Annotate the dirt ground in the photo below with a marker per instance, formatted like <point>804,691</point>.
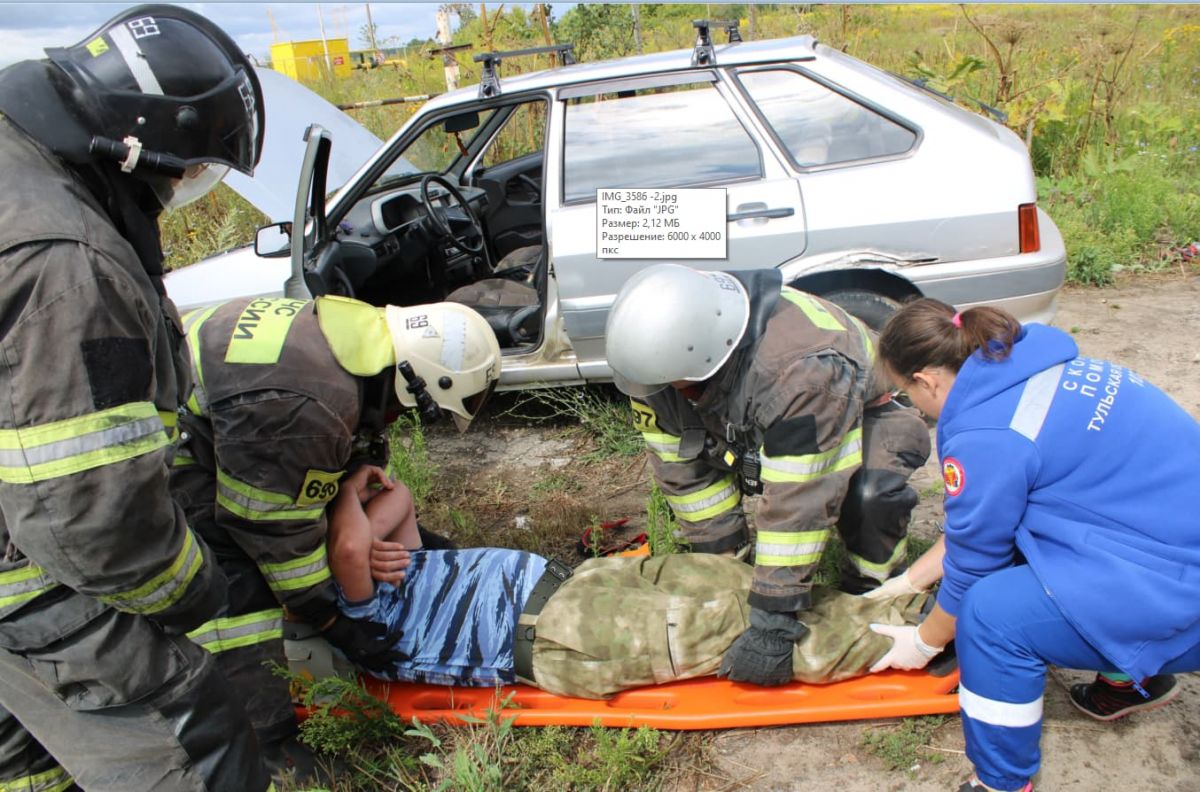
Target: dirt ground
<point>509,468</point>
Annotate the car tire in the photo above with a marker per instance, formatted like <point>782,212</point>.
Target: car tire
<point>873,308</point>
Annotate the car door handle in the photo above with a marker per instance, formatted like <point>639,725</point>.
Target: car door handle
<point>757,211</point>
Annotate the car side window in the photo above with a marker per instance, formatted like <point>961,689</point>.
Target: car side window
<point>669,136</point>
<point>524,132</point>
<point>819,126</point>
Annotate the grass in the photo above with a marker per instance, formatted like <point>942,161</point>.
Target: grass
<point>662,531</point>
<point>410,461</point>
<point>378,752</point>
<point>902,745</point>
<point>598,413</point>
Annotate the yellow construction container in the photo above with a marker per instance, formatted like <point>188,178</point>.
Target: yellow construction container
<point>307,61</point>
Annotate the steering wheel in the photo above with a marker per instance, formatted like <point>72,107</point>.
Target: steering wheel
<point>441,223</point>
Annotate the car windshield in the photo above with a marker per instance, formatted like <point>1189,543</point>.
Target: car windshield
<point>436,148</point>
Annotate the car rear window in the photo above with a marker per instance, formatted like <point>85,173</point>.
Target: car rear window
<point>669,136</point>
<point>819,126</point>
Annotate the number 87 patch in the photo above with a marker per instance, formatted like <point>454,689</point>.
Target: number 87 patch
<point>318,487</point>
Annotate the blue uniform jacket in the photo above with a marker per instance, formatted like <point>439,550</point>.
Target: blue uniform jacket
<point>1093,474</point>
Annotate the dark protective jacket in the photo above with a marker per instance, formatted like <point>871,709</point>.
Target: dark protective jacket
<point>783,416</point>
<point>275,419</point>
<point>92,371</point>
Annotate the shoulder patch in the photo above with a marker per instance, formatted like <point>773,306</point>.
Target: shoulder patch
<point>318,487</point>
<point>796,436</point>
<point>953,475</point>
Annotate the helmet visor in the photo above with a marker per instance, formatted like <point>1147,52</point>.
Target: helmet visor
<point>197,181</point>
<point>472,405</point>
<point>634,389</point>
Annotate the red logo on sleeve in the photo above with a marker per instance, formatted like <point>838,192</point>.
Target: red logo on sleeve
<point>953,476</point>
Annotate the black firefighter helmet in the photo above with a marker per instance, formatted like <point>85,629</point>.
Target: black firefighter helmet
<point>158,89</point>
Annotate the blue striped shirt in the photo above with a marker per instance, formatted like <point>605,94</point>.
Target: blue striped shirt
<point>458,610</point>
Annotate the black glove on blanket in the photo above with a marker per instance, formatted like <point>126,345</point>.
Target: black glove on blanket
<point>762,654</point>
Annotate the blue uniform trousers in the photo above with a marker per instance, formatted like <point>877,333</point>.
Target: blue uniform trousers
<point>1009,629</point>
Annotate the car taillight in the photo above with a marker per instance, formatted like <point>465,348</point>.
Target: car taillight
<point>1027,228</point>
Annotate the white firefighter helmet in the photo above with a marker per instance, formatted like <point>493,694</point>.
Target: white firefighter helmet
<point>672,323</point>
<point>453,349</point>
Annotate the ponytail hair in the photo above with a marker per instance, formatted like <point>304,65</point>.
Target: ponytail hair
<point>929,333</point>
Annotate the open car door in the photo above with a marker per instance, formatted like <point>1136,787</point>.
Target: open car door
<point>312,255</point>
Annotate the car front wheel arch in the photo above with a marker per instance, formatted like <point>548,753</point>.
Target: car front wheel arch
<point>871,295</point>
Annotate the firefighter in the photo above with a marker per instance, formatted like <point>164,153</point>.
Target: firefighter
<point>101,576</point>
<point>742,386</point>
<point>289,396</point>
<point>1070,537</point>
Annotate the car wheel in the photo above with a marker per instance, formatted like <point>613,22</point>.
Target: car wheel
<point>873,308</point>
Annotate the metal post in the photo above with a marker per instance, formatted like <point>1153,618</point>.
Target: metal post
<point>371,31</point>
<point>637,29</point>
<point>324,43</point>
<point>443,38</point>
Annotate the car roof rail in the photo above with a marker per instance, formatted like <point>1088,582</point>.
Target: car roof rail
<point>703,54</point>
<point>489,83</point>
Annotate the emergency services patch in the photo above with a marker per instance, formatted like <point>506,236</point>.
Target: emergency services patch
<point>953,476</point>
<point>318,487</point>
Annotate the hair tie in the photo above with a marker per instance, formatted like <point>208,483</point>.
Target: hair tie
<point>956,320</point>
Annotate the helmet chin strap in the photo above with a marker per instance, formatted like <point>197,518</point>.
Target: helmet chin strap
<point>426,406</point>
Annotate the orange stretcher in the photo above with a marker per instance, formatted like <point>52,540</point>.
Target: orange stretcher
<point>707,703</point>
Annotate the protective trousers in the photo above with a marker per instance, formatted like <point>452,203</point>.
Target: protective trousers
<point>246,638</point>
<point>123,706</point>
<point>873,522</point>
<point>1009,629</point>
<point>618,623</point>
<point>25,764</point>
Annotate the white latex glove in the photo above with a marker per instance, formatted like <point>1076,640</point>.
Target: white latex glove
<point>898,586</point>
<point>908,651</point>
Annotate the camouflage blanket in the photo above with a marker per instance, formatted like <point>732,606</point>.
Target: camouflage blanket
<point>629,622</point>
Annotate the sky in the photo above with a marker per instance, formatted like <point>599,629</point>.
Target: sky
<point>27,28</point>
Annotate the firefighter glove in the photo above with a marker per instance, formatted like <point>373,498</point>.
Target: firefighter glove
<point>908,651</point>
<point>369,645</point>
<point>762,654</point>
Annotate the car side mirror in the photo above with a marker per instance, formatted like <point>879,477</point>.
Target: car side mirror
<point>274,241</point>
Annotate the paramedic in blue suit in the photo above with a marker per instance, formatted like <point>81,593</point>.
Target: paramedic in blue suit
<point>1071,530</point>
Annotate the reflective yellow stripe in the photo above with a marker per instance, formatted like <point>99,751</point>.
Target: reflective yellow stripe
<point>706,503</point>
<point>260,330</point>
<point>790,548</point>
<point>21,585</point>
<point>868,344</point>
<point>221,635</point>
<point>260,505</point>
<point>170,420</point>
<point>164,589</point>
<point>664,446</point>
<point>48,451</point>
<point>880,572</point>
<point>817,313</point>
<point>192,322</point>
<point>298,573</point>
<point>806,467</point>
<point>56,780</point>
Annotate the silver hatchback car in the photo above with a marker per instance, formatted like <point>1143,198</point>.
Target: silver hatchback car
<point>855,183</point>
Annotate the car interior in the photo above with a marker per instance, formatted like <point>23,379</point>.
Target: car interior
<point>457,216</point>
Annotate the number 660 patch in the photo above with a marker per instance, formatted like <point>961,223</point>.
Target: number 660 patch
<point>318,487</point>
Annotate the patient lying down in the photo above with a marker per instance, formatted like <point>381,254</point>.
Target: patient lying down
<point>616,623</point>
